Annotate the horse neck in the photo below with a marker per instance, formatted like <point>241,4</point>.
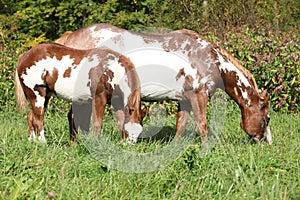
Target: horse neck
<point>238,82</point>
<point>243,96</point>
<point>239,87</point>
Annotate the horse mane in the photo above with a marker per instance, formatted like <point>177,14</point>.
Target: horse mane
<point>234,61</point>
<point>238,65</point>
<point>63,38</point>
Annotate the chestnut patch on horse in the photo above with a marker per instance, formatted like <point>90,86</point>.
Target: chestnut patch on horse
<point>67,73</point>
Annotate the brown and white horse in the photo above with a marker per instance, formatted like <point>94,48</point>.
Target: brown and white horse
<point>200,67</point>
<point>82,76</point>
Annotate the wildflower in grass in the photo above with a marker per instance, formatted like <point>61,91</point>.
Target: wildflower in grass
<point>51,194</point>
<point>1,149</point>
<point>280,102</point>
<point>276,88</point>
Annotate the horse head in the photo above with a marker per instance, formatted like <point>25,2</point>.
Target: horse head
<point>255,119</point>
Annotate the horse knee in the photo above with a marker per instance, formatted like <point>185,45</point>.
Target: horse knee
<point>202,128</point>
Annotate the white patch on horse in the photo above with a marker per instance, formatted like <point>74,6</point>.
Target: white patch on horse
<point>268,135</point>
<point>42,138</point>
<point>207,80</point>
<point>75,87</point>
<point>157,70</point>
<point>102,35</point>
<point>235,91</point>
<point>185,44</point>
<point>33,77</point>
<point>133,130</point>
<point>32,136</point>
<point>242,80</point>
<point>118,70</point>
<point>120,42</point>
<point>124,86</point>
<point>245,96</point>
<point>202,43</point>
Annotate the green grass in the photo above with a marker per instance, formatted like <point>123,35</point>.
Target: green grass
<point>234,169</point>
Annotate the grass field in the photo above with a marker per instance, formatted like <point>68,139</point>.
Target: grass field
<point>234,169</point>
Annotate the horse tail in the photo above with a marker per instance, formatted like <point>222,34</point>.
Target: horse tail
<point>22,102</point>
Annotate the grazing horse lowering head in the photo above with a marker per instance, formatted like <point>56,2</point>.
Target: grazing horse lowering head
<point>207,67</point>
<point>94,77</point>
<point>255,119</point>
<point>240,85</point>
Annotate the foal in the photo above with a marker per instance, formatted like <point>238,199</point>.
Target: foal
<point>82,76</point>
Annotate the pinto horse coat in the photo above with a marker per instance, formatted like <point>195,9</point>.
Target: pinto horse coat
<point>200,68</point>
<point>81,76</point>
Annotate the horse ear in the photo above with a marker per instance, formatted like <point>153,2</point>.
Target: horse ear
<point>263,94</point>
<point>264,102</point>
<point>267,99</point>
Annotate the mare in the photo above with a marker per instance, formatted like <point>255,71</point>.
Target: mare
<point>92,76</point>
<point>200,67</point>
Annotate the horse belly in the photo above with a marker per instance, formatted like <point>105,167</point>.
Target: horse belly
<point>73,89</point>
<point>76,86</point>
<point>158,72</point>
<point>159,82</point>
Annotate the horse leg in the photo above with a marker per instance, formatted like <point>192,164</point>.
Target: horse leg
<point>199,102</point>
<point>181,120</point>
<point>120,119</point>
<point>35,117</point>
<point>31,134</point>
<point>79,117</point>
<point>98,107</point>
<point>72,128</point>
<point>35,121</point>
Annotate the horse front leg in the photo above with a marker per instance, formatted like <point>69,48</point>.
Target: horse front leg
<point>31,133</point>
<point>98,107</point>
<point>199,100</point>
<point>120,116</point>
<point>72,128</point>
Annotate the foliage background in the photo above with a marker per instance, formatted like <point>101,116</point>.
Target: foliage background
<point>262,34</point>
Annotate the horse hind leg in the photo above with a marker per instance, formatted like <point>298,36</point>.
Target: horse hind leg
<point>72,128</point>
<point>35,121</point>
<point>35,117</point>
<point>31,132</point>
<point>181,120</point>
<point>120,116</point>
